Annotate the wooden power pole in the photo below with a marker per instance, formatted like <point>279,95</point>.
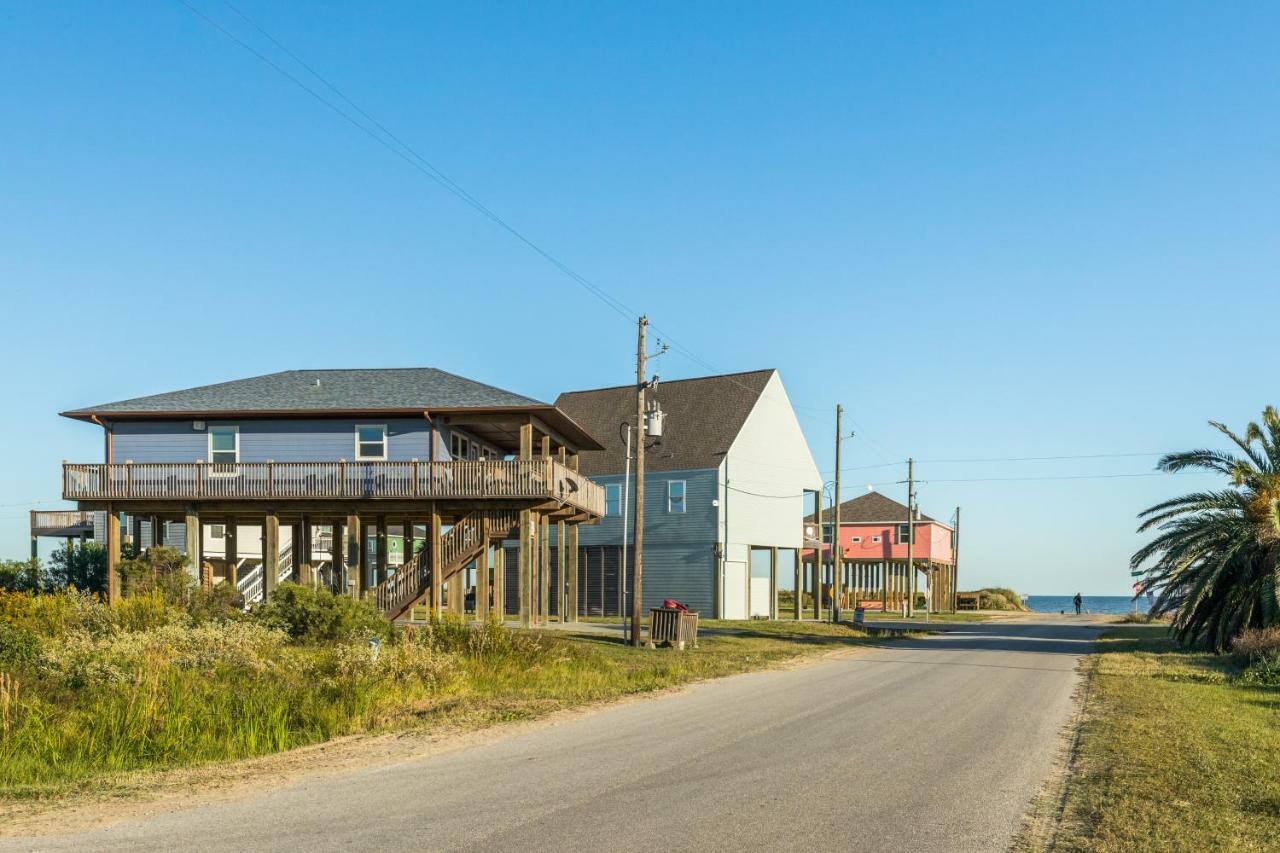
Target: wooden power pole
<point>911,537</point>
<point>637,563</point>
<point>836,550</point>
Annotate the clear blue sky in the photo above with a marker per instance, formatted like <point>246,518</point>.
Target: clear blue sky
<point>988,230</point>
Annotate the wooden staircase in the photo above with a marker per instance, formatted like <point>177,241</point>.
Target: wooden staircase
<point>398,594</point>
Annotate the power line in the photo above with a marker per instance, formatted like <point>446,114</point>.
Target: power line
<point>1057,477</point>
<point>413,158</point>
<point>1042,458</point>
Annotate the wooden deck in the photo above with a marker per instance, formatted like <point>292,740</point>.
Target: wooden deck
<point>61,522</point>
<point>532,479</point>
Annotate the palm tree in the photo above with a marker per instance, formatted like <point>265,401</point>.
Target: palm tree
<point>1215,565</point>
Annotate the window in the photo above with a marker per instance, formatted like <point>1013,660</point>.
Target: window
<point>371,442</point>
<point>875,539</point>
<point>612,499</point>
<point>903,533</point>
<point>826,532</point>
<point>857,539</point>
<point>217,531</point>
<point>675,496</point>
<point>224,445</point>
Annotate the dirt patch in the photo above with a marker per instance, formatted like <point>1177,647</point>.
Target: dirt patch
<point>1043,820</point>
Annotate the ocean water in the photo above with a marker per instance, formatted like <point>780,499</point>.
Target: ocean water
<point>1091,604</point>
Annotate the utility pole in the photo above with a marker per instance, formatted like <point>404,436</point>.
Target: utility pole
<point>955,562</point>
<point>638,559</point>
<point>911,537</point>
<point>837,552</point>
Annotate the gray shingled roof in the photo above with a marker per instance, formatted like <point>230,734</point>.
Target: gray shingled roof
<point>393,389</point>
<point>704,416</point>
<point>870,508</point>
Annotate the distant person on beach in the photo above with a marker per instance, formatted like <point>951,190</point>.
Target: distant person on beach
<point>1077,601</point>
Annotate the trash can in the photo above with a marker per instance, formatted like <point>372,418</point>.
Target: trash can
<point>673,627</point>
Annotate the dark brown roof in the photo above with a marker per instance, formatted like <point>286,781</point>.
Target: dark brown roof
<point>871,508</point>
<point>704,416</point>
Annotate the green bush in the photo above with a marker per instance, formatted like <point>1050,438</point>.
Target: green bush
<point>20,575</point>
<point>999,598</point>
<point>18,647</point>
<point>84,568</point>
<point>161,571</point>
<point>315,615</point>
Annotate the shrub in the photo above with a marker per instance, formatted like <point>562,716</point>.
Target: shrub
<point>159,570</point>
<point>1258,643</point>
<point>20,575</point>
<point>18,647</point>
<point>84,568</point>
<point>1135,617</point>
<point>145,611</point>
<point>314,614</point>
<point>221,603</point>
<point>56,613</point>
<point>999,598</point>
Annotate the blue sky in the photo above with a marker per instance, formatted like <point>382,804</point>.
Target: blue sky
<point>1000,230</point>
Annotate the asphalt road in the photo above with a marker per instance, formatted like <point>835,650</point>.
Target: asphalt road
<point>935,744</point>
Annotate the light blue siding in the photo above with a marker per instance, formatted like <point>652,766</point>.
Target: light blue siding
<point>298,440</point>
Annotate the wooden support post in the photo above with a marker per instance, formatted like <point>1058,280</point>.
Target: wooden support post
<point>366,558</point>
<point>338,556</point>
<point>113,556</point>
<point>799,585</point>
<point>437,583</point>
<point>230,551</point>
<point>525,550</point>
<point>562,562</point>
<point>499,581</point>
<point>302,553</point>
<point>135,524</point>
<point>482,577</point>
<point>270,554</point>
<point>816,583</point>
<point>544,566</point>
<point>356,549</point>
<point>195,539</point>
<point>524,569</point>
<point>571,567</point>
<point>408,539</point>
<point>381,557</point>
<point>884,585</point>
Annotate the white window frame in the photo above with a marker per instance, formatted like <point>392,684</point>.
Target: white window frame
<point>856,540</point>
<point>235,431</point>
<point>684,496</point>
<point>902,540</point>
<point>875,539</point>
<point>359,457</point>
<point>618,500</point>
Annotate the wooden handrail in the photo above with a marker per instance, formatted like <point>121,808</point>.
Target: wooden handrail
<point>463,479</point>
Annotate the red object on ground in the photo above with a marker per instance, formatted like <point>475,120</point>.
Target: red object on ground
<point>672,604</point>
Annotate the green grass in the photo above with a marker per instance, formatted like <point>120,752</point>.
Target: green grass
<point>1175,752</point>
<point>144,701</point>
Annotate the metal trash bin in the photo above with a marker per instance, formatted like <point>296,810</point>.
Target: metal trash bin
<point>674,627</point>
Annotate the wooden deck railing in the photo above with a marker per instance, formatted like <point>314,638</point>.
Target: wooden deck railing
<point>195,481</point>
<point>60,519</point>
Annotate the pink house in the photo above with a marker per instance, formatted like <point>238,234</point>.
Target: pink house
<point>873,553</point>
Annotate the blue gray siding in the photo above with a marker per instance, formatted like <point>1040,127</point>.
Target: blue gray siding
<point>298,440</point>
<point>679,548</point>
